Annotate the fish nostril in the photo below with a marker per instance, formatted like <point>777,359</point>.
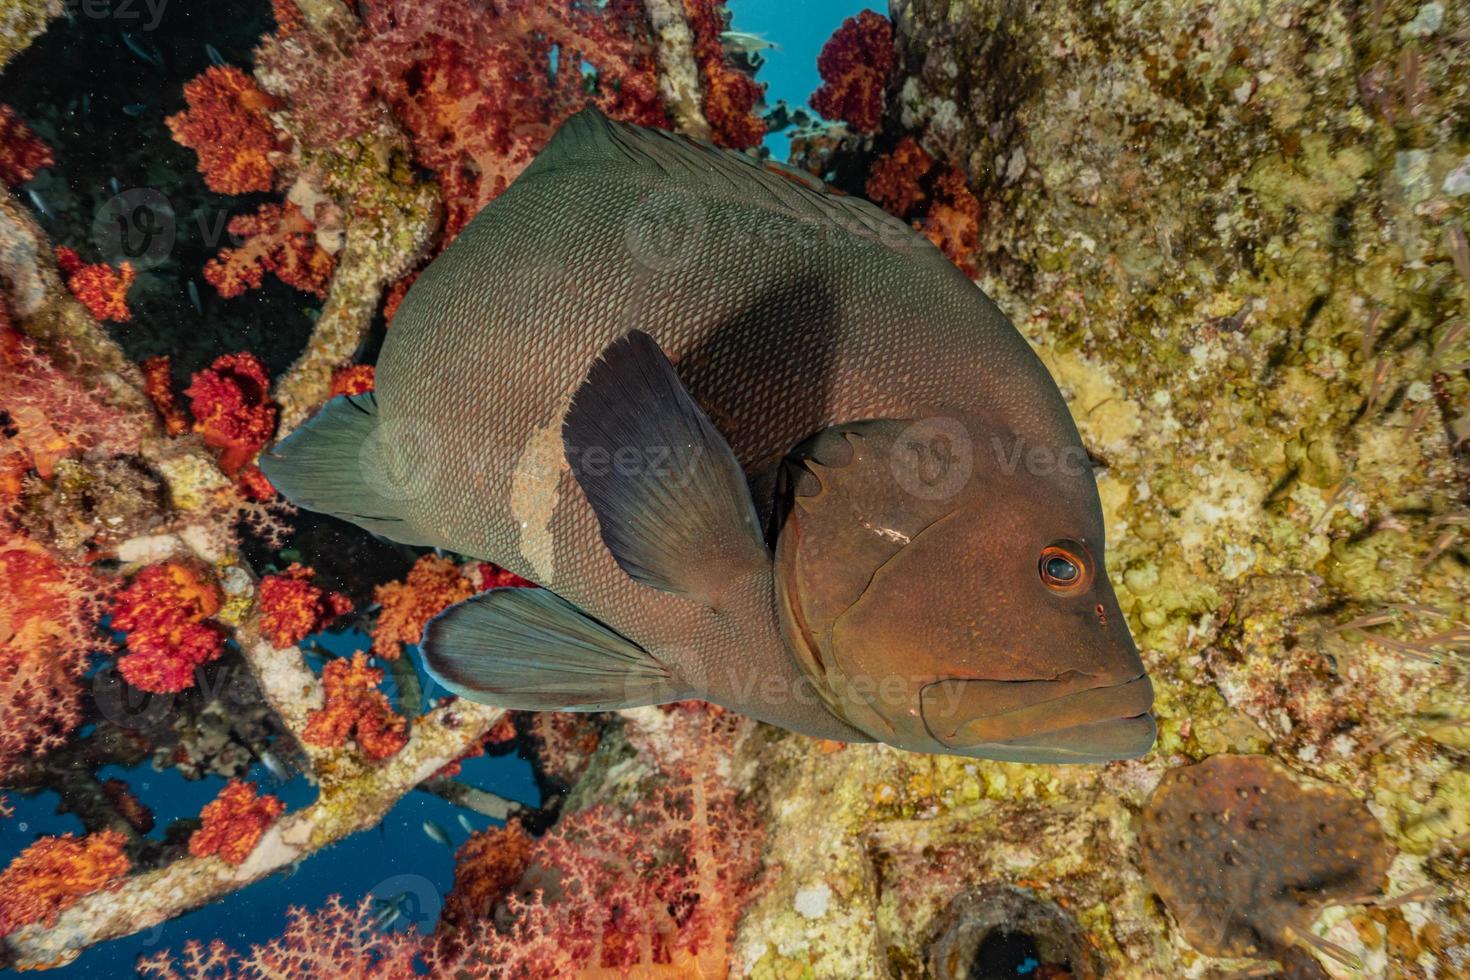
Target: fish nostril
<point>1102,614</point>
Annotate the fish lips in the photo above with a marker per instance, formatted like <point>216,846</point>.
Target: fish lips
<point>1038,723</point>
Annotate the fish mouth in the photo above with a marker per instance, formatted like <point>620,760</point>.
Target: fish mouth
<point>1037,722</point>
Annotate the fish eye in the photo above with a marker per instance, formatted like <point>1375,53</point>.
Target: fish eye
<point>1063,568</point>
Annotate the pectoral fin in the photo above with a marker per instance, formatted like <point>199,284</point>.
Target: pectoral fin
<point>670,497</point>
<point>532,650</point>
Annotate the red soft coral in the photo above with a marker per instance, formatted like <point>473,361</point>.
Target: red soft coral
<point>99,287</point>
<point>354,706</point>
<point>855,65</point>
<point>292,608</point>
<point>55,872</point>
<point>895,182</point>
<point>227,126</point>
<point>432,585</point>
<point>158,385</point>
<point>354,379</point>
<point>276,238</point>
<point>164,611</point>
<point>730,95</point>
<point>234,822</point>
<point>21,151</point>
<point>49,611</point>
<point>953,222</point>
<point>486,868</point>
<point>127,805</point>
<point>232,408</point>
<point>479,88</point>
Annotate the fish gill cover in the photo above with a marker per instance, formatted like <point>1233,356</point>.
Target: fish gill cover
<point>1233,232</point>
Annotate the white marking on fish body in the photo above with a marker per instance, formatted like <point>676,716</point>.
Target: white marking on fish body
<point>533,491</point>
<point>888,533</point>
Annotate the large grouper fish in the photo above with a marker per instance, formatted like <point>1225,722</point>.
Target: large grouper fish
<point>759,442</point>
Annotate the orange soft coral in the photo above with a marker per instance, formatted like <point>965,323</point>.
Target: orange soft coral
<point>102,289</point>
<point>433,585</point>
<point>855,65</point>
<point>953,222</point>
<point>21,152</point>
<point>159,387</point>
<point>226,125</point>
<point>49,611</point>
<point>232,408</point>
<point>234,822</point>
<point>164,610</point>
<point>292,608</point>
<point>354,706</point>
<point>277,238</point>
<point>486,868</point>
<point>55,872</point>
<point>355,379</point>
<point>730,95</point>
<point>895,183</point>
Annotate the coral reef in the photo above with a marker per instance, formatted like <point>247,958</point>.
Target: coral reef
<point>22,152</point>
<point>855,65</point>
<point>292,608</point>
<point>226,125</point>
<point>355,708</point>
<point>234,822</point>
<point>232,409</point>
<point>100,287</point>
<point>431,586</point>
<point>165,612</point>
<point>55,872</point>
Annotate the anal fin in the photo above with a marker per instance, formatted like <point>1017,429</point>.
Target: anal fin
<point>530,649</point>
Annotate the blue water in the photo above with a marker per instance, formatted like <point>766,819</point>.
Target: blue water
<point>397,856</point>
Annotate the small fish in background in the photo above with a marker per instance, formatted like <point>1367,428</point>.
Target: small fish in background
<point>135,109</point>
<point>763,446</point>
<point>464,822</point>
<point>194,298</point>
<point>275,766</point>
<point>390,910</point>
<point>748,43</point>
<point>438,834</point>
<point>215,58</point>
<point>143,49</point>
<point>38,202</point>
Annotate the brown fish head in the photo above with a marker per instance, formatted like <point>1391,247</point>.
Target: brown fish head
<point>943,583</point>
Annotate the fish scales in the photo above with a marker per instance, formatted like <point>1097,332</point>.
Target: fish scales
<point>785,310</point>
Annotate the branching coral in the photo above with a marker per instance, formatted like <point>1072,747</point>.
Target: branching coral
<point>100,287</point>
<point>164,611</point>
<point>855,65</point>
<point>232,408</point>
<point>55,872</point>
<point>48,615</point>
<point>276,238</point>
<point>22,152</point>
<point>355,708</point>
<point>292,608</point>
<point>234,822</point>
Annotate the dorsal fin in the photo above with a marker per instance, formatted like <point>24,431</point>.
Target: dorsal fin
<point>590,139</point>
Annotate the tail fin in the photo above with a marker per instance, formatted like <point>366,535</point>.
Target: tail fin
<point>342,462</point>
